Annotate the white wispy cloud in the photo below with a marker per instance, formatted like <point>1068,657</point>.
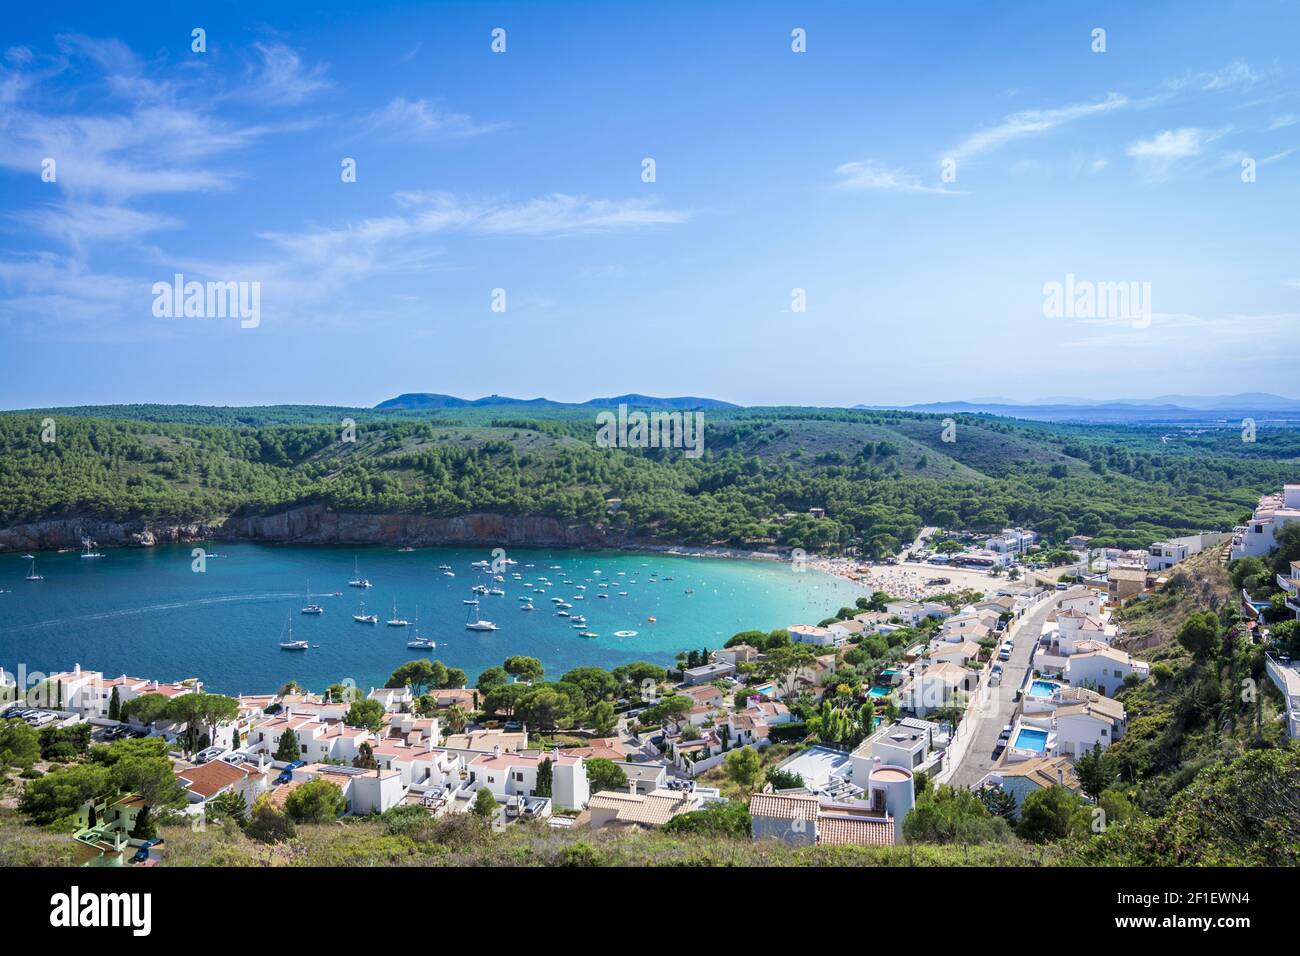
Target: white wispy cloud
<point>1034,122</point>
<point>280,78</point>
<point>78,224</point>
<point>1169,144</point>
<point>1157,155</point>
<point>1237,75</point>
<point>1282,122</point>
<point>433,214</point>
<point>423,119</point>
<point>870,175</point>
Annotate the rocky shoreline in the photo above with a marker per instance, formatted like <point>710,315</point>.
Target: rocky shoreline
<point>318,525</point>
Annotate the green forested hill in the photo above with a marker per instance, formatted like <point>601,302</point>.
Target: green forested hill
<point>880,475</point>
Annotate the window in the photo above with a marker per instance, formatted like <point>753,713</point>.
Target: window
<point>519,776</point>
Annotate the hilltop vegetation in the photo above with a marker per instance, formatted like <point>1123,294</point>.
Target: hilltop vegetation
<point>881,476</point>
<point>1208,700</point>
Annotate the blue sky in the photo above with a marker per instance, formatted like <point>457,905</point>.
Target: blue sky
<point>522,171</point>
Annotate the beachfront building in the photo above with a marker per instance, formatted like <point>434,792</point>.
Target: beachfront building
<point>1011,541</point>
<point>1272,514</point>
<point>913,613</point>
<point>816,636</point>
<point>706,673</point>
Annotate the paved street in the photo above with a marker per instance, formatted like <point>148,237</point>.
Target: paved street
<point>978,759</point>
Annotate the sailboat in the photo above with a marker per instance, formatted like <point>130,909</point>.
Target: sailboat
<point>357,580</point>
<point>31,572</point>
<point>475,623</point>
<point>86,551</point>
<point>310,608</point>
<point>361,617</point>
<point>417,642</point>
<point>291,644</point>
<point>396,621</point>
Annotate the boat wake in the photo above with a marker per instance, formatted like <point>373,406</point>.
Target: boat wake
<point>153,609</point>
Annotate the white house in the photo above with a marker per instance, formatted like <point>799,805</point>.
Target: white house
<point>1271,514</point>
<point>1084,719</point>
<point>937,686</point>
<point>507,775</point>
<point>209,780</point>
<point>817,636</point>
<point>1102,668</point>
<point>954,653</point>
<point>1163,555</point>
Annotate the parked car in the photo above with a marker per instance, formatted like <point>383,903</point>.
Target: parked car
<point>997,751</point>
<point>212,753</point>
<point>1062,586</point>
<point>286,775</point>
<point>1004,655</point>
<point>142,854</point>
<point>1005,732</point>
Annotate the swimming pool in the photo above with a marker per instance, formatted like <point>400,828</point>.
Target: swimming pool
<point>1028,739</point>
<point>1043,688</point>
<point>879,692</point>
<point>765,690</point>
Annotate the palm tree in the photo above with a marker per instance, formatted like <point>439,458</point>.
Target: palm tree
<point>456,718</point>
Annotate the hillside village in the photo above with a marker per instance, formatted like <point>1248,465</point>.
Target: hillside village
<point>827,733</point>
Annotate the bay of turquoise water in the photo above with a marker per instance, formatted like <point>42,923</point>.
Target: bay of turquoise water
<point>145,613</point>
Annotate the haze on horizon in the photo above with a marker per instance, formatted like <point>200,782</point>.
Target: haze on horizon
<point>522,171</point>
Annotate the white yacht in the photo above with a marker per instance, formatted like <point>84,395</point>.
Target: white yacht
<point>499,592</point>
<point>357,580</point>
<point>417,642</point>
<point>86,552</point>
<point>396,621</point>
<point>291,644</point>
<point>476,623</point>
<point>309,607</point>
<point>31,572</point>
<point>361,617</point>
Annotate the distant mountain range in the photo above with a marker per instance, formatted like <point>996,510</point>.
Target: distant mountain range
<point>1172,409</point>
<point>415,400</point>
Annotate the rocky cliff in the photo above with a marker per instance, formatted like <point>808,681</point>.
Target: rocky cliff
<point>316,524</point>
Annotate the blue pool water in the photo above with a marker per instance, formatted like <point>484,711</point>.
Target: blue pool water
<point>146,613</point>
<point>879,692</point>
<point>1043,688</point>
<point>1035,740</point>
